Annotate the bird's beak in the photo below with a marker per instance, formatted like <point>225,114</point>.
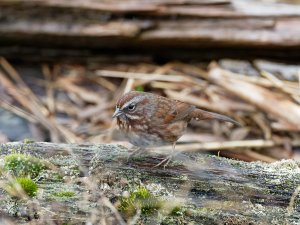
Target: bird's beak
<point>117,113</point>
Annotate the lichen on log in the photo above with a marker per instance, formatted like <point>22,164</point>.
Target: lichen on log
<point>87,182</point>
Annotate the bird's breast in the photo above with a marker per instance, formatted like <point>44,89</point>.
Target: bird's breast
<point>152,134</point>
<point>140,134</point>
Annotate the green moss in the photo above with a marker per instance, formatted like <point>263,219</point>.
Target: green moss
<point>140,199</point>
<point>21,165</point>
<point>64,194</point>
<point>177,211</point>
<point>142,193</point>
<point>29,187</point>
<point>139,88</point>
<point>28,141</point>
<point>57,178</point>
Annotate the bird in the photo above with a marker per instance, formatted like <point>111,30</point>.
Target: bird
<point>149,120</point>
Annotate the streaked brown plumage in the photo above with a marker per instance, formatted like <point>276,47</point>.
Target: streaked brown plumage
<point>152,120</point>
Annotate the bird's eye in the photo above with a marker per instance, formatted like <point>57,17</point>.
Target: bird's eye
<point>131,107</point>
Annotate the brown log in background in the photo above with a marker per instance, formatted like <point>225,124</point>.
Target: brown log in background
<point>204,29</point>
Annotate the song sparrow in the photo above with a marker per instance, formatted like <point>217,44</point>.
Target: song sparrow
<point>152,120</point>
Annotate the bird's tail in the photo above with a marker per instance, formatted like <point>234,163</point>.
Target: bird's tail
<point>199,114</point>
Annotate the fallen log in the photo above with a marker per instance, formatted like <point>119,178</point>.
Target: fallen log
<point>204,189</point>
<point>215,27</point>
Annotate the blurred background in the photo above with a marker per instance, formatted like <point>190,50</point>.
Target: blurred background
<point>64,64</point>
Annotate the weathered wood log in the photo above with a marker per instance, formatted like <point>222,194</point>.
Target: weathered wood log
<point>204,189</point>
<point>217,26</point>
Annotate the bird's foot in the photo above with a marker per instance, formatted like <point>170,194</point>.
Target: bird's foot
<point>164,162</point>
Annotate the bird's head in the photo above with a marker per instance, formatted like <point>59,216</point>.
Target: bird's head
<point>132,106</point>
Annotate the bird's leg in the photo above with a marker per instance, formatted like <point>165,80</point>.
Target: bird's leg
<point>167,160</point>
<point>172,154</point>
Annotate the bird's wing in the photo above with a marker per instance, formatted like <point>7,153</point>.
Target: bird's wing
<point>179,111</point>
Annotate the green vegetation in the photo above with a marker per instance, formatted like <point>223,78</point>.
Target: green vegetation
<point>139,88</point>
<point>64,194</point>
<point>21,165</point>
<point>177,211</point>
<point>29,187</point>
<point>28,141</point>
<point>140,199</point>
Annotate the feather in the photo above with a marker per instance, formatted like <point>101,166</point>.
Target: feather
<point>199,114</point>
